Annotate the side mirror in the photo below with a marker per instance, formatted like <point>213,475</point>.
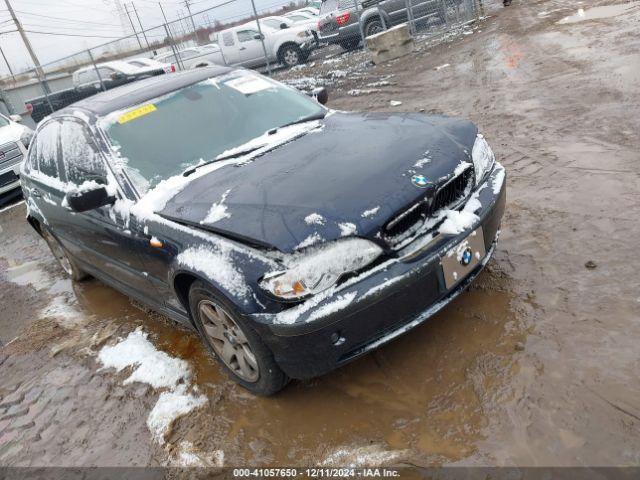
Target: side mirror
<point>321,95</point>
<point>257,36</point>
<point>117,76</point>
<point>90,198</point>
<point>15,118</point>
<point>283,26</point>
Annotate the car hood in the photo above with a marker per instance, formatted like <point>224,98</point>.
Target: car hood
<point>12,132</point>
<point>350,176</point>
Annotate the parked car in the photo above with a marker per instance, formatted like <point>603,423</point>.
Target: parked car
<point>292,238</point>
<point>14,140</point>
<point>150,63</point>
<point>341,21</point>
<point>243,45</point>
<point>302,18</point>
<point>88,81</point>
<point>311,10</point>
<point>194,57</point>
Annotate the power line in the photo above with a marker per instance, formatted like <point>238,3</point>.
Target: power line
<point>65,19</point>
<point>72,34</point>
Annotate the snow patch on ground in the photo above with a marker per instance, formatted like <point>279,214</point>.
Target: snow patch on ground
<point>187,455</point>
<point>160,371</point>
<point>218,210</point>
<point>356,92</point>
<point>215,262</point>
<point>150,365</point>
<point>368,456</point>
<point>170,406</point>
<point>314,219</point>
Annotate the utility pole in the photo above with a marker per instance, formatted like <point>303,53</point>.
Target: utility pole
<point>34,58</point>
<point>170,37</point>
<point>264,49</point>
<point>188,5</point>
<point>135,10</point>
<point>126,9</point>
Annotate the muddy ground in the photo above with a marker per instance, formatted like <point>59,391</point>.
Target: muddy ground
<point>537,364</point>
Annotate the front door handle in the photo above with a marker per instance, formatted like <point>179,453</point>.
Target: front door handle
<point>243,48</point>
<point>36,193</point>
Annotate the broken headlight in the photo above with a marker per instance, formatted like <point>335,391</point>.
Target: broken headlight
<point>483,157</point>
<point>314,271</point>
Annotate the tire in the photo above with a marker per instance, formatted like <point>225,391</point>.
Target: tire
<point>290,55</point>
<point>67,264</point>
<point>349,45</point>
<point>237,347</point>
<point>373,26</point>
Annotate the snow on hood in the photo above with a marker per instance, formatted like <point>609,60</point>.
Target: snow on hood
<point>352,175</point>
<point>11,133</point>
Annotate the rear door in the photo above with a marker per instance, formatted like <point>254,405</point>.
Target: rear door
<point>45,188</point>
<point>104,238</point>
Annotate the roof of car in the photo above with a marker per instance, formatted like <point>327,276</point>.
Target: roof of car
<point>138,92</point>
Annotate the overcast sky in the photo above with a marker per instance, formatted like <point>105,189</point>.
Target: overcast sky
<point>96,22</point>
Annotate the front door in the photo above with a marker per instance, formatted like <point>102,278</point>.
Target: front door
<point>105,238</point>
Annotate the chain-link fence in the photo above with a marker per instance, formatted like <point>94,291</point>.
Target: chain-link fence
<point>282,35</point>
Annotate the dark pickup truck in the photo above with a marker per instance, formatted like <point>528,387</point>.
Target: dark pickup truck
<point>343,22</point>
<point>87,82</point>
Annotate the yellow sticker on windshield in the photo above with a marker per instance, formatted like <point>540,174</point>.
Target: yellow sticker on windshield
<point>137,113</point>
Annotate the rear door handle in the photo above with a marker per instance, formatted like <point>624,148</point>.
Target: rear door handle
<point>36,193</point>
<point>243,48</point>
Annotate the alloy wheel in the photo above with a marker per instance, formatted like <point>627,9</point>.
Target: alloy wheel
<point>291,57</point>
<point>228,341</point>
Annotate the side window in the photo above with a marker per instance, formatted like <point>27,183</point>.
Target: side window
<point>227,39</point>
<point>87,76</point>
<point>47,149</point>
<point>31,162</point>
<point>246,35</point>
<point>81,159</point>
<point>106,73</point>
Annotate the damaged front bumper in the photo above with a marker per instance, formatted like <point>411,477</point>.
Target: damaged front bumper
<point>395,297</point>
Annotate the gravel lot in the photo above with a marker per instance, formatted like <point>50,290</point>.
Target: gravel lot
<point>537,364</point>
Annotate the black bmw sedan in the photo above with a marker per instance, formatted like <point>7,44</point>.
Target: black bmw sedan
<point>293,238</point>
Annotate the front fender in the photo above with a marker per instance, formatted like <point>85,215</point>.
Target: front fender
<point>374,12</point>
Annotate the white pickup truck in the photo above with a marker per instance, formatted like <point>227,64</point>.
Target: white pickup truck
<point>286,43</point>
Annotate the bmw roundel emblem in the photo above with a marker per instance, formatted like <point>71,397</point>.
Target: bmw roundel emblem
<point>419,181</point>
<point>467,255</point>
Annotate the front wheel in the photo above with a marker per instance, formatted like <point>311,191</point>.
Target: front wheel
<point>66,262</point>
<point>237,347</point>
<point>290,55</point>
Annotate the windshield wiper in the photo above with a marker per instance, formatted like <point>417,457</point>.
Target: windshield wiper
<point>308,118</point>
<point>237,154</point>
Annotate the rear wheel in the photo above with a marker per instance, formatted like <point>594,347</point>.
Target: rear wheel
<point>68,265</point>
<point>373,27</point>
<point>290,55</point>
<point>237,347</point>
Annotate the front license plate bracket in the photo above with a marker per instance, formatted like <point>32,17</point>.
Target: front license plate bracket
<point>461,259</point>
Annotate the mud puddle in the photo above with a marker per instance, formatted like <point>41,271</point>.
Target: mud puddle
<point>602,12</point>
